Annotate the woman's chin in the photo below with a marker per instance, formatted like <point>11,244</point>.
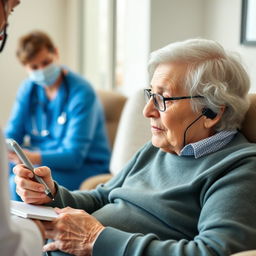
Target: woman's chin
<point>164,145</point>
<point>158,142</point>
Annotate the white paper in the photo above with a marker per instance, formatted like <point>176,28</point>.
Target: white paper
<point>33,211</point>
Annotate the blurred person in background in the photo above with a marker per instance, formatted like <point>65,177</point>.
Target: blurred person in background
<point>57,117</point>
<point>18,236</point>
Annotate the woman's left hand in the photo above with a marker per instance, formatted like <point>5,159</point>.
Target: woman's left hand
<point>74,232</point>
<point>33,156</point>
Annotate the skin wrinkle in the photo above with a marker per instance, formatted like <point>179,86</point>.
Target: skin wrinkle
<point>171,84</point>
<point>69,233</point>
<point>168,127</point>
<point>169,139</point>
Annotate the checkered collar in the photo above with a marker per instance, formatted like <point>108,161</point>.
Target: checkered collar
<point>208,145</point>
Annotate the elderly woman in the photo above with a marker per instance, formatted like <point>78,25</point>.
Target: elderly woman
<point>191,190</point>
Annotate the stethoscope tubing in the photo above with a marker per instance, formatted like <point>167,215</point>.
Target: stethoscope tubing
<point>61,120</point>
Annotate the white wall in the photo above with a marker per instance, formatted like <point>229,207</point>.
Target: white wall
<point>174,20</point>
<point>222,21</point>
<point>151,24</point>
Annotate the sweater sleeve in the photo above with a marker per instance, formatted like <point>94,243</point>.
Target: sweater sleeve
<point>226,224</point>
<point>91,201</point>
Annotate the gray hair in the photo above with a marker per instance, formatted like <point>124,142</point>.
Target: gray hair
<point>213,73</point>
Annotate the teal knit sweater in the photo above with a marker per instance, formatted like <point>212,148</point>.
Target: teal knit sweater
<point>163,204</point>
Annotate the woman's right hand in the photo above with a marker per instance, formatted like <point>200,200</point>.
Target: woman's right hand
<point>30,190</point>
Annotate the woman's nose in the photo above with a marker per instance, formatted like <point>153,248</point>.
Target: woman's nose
<point>150,110</point>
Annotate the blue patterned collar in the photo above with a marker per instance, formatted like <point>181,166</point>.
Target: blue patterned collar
<point>208,145</point>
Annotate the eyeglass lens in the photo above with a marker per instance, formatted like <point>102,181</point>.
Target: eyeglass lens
<point>157,99</point>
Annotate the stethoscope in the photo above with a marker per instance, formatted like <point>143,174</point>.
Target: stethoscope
<point>61,120</point>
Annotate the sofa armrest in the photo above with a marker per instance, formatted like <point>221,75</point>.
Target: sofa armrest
<point>94,181</point>
<point>245,253</point>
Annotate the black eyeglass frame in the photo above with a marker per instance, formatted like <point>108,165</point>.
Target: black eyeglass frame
<point>148,95</point>
<point>3,42</point>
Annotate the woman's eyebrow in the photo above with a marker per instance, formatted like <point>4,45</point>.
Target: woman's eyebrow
<point>160,88</point>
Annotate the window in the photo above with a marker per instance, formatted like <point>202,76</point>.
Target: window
<point>116,43</point>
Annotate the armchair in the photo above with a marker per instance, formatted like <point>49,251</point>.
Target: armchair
<point>113,104</point>
<point>245,253</point>
<point>249,123</point>
<point>249,130</point>
<point>132,133</point>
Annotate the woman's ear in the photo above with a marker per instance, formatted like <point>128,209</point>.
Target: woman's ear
<point>211,122</point>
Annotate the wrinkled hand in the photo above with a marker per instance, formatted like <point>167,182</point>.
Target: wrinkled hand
<point>29,190</point>
<point>74,232</point>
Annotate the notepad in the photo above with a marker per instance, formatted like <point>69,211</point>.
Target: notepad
<point>33,211</point>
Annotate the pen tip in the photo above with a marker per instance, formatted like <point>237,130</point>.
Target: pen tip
<point>51,196</point>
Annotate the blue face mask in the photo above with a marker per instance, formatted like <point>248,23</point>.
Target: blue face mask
<point>46,76</point>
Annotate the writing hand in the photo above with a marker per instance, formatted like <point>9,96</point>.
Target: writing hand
<point>29,190</point>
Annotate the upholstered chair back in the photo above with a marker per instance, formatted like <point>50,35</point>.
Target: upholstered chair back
<point>133,132</point>
<point>249,124</point>
<point>113,103</point>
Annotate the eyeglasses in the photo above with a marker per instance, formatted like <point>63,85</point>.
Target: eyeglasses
<point>159,100</point>
<point>3,41</point>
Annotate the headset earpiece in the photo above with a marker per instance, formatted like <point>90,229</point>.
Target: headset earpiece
<point>208,113</point>
<point>205,112</point>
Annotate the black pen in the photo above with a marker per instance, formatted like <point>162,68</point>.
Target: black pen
<point>18,150</point>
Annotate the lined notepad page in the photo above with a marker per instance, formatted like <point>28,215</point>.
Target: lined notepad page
<point>33,211</point>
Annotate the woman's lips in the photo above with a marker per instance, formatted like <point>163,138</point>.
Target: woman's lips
<point>156,128</point>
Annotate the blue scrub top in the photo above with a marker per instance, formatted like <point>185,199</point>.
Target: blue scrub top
<point>75,150</point>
